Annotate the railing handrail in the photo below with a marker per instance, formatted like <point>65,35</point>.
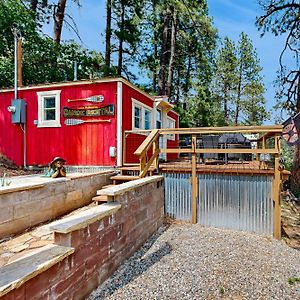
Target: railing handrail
<point>147,142</point>
<point>225,129</point>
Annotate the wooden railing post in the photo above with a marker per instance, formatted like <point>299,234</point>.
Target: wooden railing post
<point>143,161</point>
<point>194,180</point>
<point>276,185</point>
<point>154,150</point>
<point>124,148</point>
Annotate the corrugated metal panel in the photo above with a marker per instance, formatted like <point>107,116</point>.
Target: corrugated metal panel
<point>178,191</point>
<point>236,202</point>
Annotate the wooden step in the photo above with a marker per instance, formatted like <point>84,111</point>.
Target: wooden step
<point>101,199</point>
<point>123,178</point>
<point>107,186</point>
<point>135,168</point>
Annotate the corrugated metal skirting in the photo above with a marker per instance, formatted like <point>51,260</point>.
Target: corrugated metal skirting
<point>224,201</point>
<point>236,202</point>
<point>178,196</point>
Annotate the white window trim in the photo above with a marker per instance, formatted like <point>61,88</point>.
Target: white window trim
<point>171,136</point>
<point>49,123</point>
<point>143,107</point>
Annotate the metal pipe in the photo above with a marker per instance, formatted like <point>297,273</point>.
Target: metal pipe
<point>24,146</point>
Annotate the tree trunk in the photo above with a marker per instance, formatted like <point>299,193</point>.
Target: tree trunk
<point>155,53</point>
<point>155,49</point>
<point>163,58</point>
<point>107,38</point>
<point>120,59</point>
<point>226,100</point>
<point>295,177</point>
<point>238,101</point>
<point>187,78</point>
<point>59,15</point>
<point>172,54</point>
<point>33,5</point>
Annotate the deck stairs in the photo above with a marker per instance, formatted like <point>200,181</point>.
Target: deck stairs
<point>127,173</point>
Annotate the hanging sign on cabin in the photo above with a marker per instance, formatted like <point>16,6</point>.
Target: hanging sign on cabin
<point>291,127</point>
<point>108,110</point>
<point>96,99</point>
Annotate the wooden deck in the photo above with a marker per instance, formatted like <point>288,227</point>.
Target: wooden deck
<point>243,167</point>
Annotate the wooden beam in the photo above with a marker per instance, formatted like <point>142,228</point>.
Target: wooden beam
<point>156,148</point>
<point>143,161</point>
<point>124,149</point>
<point>276,198</point>
<point>229,151</point>
<point>194,181</point>
<point>149,163</point>
<point>228,129</point>
<point>20,80</point>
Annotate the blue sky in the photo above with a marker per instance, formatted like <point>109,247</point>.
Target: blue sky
<point>231,17</point>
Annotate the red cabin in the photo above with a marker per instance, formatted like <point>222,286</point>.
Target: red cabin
<point>81,121</point>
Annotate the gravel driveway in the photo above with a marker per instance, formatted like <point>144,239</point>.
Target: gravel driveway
<point>192,262</point>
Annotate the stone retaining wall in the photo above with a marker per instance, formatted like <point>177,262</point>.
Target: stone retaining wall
<point>36,200</point>
<point>100,246</point>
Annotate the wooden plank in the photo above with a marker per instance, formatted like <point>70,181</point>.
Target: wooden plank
<point>124,177</point>
<point>149,163</point>
<point>194,181</point>
<point>276,198</point>
<point>143,162</point>
<point>229,151</point>
<point>156,148</point>
<point>20,79</point>
<point>124,149</point>
<point>227,129</point>
<point>147,142</point>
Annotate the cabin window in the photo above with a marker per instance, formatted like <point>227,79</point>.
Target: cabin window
<point>147,119</point>
<point>158,119</point>
<point>142,115</point>
<point>49,109</point>
<point>137,117</point>
<point>171,124</point>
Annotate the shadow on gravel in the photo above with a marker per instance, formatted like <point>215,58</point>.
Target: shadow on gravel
<point>136,265</point>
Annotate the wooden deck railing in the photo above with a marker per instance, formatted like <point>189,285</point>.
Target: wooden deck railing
<point>142,151</point>
<point>265,133</point>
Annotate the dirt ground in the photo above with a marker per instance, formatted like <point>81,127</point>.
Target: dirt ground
<point>290,223</point>
<point>10,169</point>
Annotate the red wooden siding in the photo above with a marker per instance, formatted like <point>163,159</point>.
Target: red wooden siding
<point>11,142</point>
<point>86,144</point>
<point>128,94</point>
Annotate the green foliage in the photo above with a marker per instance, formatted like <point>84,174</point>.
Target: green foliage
<point>293,280</point>
<point>194,46</point>
<point>281,17</point>
<point>43,59</point>
<point>287,155</point>
<point>199,109</point>
<point>237,84</point>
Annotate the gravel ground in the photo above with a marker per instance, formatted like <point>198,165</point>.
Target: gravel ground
<point>192,262</point>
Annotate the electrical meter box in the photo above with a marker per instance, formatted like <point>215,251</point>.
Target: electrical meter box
<point>18,115</point>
